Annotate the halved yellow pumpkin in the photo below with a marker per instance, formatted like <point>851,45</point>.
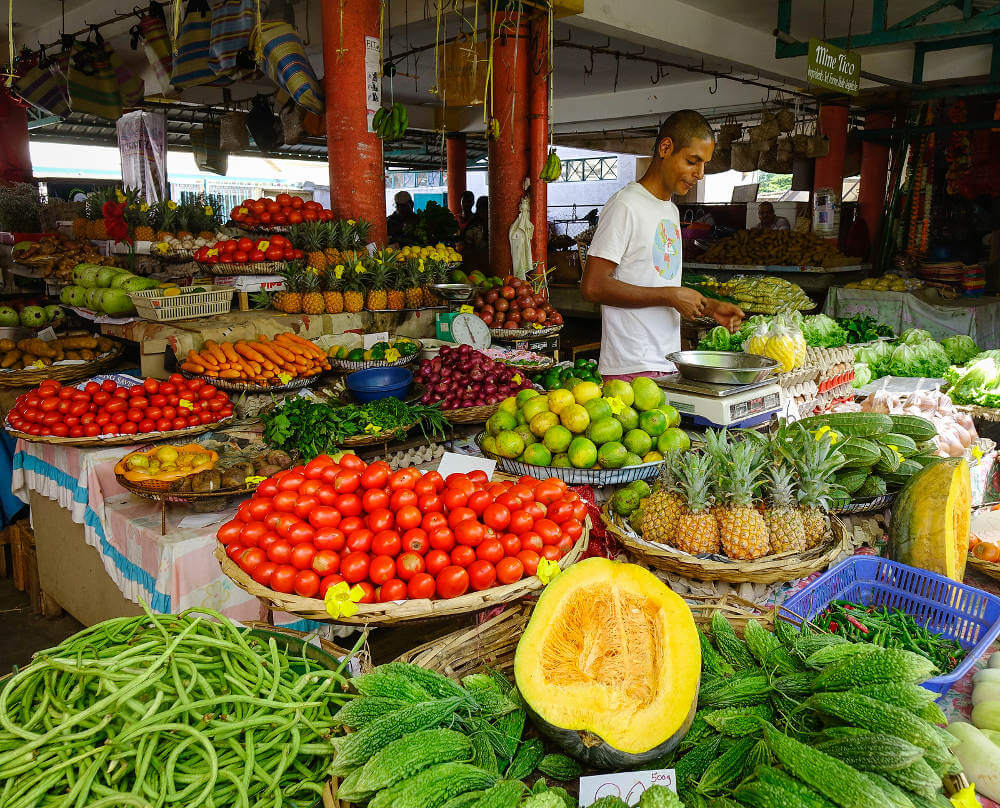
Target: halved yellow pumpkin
<point>609,664</point>
<point>930,520</point>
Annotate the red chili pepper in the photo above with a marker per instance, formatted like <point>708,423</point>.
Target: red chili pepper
<point>858,624</point>
<point>834,626</point>
<point>848,607</point>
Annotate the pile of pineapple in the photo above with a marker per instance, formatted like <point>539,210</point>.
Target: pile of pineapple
<point>359,281</point>
<point>744,496</point>
<point>164,221</point>
<point>329,243</point>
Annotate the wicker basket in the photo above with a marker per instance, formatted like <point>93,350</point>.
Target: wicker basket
<point>151,304</point>
<point>471,415</point>
<point>120,440</point>
<point>735,609</point>
<point>387,614</point>
<point>153,489</point>
<point>524,333</point>
<point>166,491</point>
<point>987,568</point>
<point>347,366</point>
<point>62,373</point>
<point>768,570</point>
<point>867,505</point>
<point>385,436</point>
<point>256,268</point>
<point>236,386</point>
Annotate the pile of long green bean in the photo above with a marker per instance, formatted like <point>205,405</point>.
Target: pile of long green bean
<point>184,710</point>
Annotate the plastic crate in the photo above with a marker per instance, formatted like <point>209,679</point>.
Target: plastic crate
<point>957,611</point>
<point>151,304</point>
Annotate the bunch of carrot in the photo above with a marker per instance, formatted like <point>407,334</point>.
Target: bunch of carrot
<point>260,361</point>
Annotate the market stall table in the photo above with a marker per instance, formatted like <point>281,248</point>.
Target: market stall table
<point>979,317</point>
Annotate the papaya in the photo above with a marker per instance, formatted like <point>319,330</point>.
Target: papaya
<point>929,527</point>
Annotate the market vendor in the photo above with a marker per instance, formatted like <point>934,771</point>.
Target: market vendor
<point>768,220</point>
<point>402,219</point>
<point>633,267</point>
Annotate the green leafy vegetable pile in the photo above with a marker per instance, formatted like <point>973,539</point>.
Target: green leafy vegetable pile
<point>312,428</point>
<point>864,328</point>
<point>821,331</point>
<point>916,355</point>
<point>960,348</point>
<point>976,383</point>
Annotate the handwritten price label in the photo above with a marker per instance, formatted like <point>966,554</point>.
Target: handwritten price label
<point>184,404</point>
<point>284,378</point>
<point>254,480</point>
<point>466,309</point>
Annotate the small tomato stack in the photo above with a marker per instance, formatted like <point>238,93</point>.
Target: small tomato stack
<point>398,535</point>
<point>248,251</point>
<point>283,210</point>
<point>106,408</point>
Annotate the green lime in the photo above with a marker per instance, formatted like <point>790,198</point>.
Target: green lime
<point>624,501</point>
<point>509,444</point>
<point>641,487</point>
<point>628,418</point>
<point>542,422</point>
<point>575,418</point>
<point>604,430</point>
<point>500,421</point>
<point>526,434</point>
<point>632,459</point>
<point>620,389</point>
<point>598,409</point>
<point>557,439</point>
<point>673,438</point>
<point>582,453</point>
<point>612,455</point>
<point>524,395</point>
<point>561,461</point>
<point>653,421</point>
<point>638,441</point>
<point>489,444</point>
<point>534,406</point>
<point>537,455</point>
<point>648,395</point>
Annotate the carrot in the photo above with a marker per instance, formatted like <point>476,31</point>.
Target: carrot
<point>276,360</point>
<point>293,348</point>
<point>229,374</point>
<point>283,352</point>
<point>227,349</point>
<point>310,346</point>
<point>249,351</point>
<point>203,358</point>
<point>214,349</point>
<point>191,367</point>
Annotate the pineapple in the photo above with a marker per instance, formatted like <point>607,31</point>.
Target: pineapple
<point>333,298</point>
<point>717,446</point>
<point>413,278</point>
<point>290,301</point>
<point>396,296</point>
<point>697,531</point>
<point>816,463</point>
<point>80,227</point>
<point>312,298</point>
<point>98,230</point>
<point>311,237</point>
<point>377,297</point>
<point>742,528</point>
<point>664,505</point>
<point>144,233</point>
<point>784,521</point>
<point>353,286</point>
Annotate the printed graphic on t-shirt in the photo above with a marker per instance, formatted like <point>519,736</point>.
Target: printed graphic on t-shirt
<point>666,249</point>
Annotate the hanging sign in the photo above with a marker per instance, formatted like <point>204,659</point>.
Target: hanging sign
<point>833,68</point>
<point>373,77</point>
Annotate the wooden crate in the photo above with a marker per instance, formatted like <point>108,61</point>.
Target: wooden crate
<point>24,568</point>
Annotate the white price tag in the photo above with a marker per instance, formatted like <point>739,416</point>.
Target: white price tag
<point>372,248</point>
<point>627,785</point>
<point>370,339</point>
<point>452,463</point>
<point>47,334</point>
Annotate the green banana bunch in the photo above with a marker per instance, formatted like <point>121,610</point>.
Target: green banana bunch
<point>392,123</point>
<point>552,170</point>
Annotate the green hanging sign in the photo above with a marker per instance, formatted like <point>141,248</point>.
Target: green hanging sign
<point>833,68</point>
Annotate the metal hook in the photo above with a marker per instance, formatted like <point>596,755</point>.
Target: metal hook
<point>588,72</point>
<point>660,73</point>
<point>715,89</point>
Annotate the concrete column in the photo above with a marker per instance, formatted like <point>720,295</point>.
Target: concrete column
<point>15,159</point>
<point>874,173</point>
<point>830,169</point>
<point>357,174</point>
<point>509,153</point>
<point>455,155</point>
<point>539,137</point>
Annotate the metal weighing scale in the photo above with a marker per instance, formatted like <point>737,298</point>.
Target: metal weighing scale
<point>722,405</point>
<point>458,326</point>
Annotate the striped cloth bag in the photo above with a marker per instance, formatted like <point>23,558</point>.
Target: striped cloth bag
<point>93,87</point>
<point>192,66</point>
<point>131,88</point>
<point>232,25</point>
<point>152,29</point>
<point>44,87</point>
<point>286,64</point>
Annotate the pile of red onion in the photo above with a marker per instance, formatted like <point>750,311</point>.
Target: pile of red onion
<point>514,306</point>
<point>462,377</point>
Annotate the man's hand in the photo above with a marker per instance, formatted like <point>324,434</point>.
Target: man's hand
<point>688,302</point>
<point>727,314</point>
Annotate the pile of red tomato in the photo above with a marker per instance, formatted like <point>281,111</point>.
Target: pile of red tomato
<point>284,209</point>
<point>398,535</point>
<point>248,251</point>
<point>106,409</point>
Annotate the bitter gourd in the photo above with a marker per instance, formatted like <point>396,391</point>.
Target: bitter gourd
<point>732,648</point>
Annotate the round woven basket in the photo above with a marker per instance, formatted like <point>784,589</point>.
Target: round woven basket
<point>236,386</point>
<point>989,414</point>
<point>471,415</point>
<point>256,268</point>
<point>348,366</point>
<point>387,614</point>
<point>62,373</point>
<point>151,488</point>
<point>867,505</point>
<point>524,333</point>
<point>735,609</point>
<point>179,497</point>
<point>768,570</point>
<point>987,568</point>
<point>121,440</point>
<point>385,436</point>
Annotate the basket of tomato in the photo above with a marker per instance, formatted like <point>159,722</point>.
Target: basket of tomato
<point>408,545</point>
<point>112,410</point>
<point>248,256</point>
<point>284,210</point>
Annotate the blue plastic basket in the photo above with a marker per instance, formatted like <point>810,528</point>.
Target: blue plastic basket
<point>957,611</point>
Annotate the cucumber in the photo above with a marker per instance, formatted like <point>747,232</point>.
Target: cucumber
<point>852,424</point>
<point>851,479</point>
<point>889,460</point>
<point>860,453</point>
<point>874,486</point>
<point>913,425</point>
<point>904,444</point>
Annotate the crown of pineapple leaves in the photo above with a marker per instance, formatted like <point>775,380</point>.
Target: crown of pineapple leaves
<point>695,470</point>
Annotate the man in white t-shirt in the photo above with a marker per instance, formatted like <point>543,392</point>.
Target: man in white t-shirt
<point>634,263</point>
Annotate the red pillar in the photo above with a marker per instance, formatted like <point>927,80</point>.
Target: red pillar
<point>357,175</point>
<point>539,134</point>
<point>874,173</point>
<point>455,154</point>
<point>15,159</point>
<point>830,169</point>
<point>508,154</point>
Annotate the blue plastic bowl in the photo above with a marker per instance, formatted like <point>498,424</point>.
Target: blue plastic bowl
<point>374,384</point>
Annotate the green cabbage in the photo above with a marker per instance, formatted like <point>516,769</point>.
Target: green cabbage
<point>993,354</point>
<point>862,374</point>
<point>932,358</point>
<point>823,332</point>
<point>904,361</point>
<point>914,336</point>
<point>960,348</point>
<point>718,339</point>
<point>979,383</point>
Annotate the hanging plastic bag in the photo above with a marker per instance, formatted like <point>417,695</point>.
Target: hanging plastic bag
<point>152,30</point>
<point>192,65</point>
<point>233,132</point>
<point>232,27</point>
<point>93,88</point>
<point>264,126</point>
<point>285,62</point>
<point>44,87</point>
<point>292,118</point>
<point>208,153</point>
<point>520,240</point>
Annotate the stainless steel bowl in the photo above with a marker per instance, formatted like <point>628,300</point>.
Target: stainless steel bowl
<point>723,367</point>
<point>456,292</point>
